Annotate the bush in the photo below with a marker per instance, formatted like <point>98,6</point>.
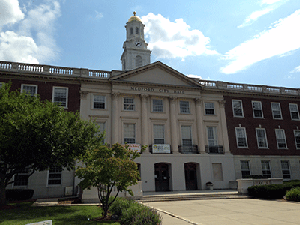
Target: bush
<point>293,194</point>
<point>19,194</point>
<point>131,212</point>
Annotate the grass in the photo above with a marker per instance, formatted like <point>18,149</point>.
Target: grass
<point>60,215</point>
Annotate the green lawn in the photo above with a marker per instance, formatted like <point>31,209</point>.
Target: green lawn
<point>25,213</point>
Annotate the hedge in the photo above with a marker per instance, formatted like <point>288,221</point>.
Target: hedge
<point>18,194</point>
<point>293,194</point>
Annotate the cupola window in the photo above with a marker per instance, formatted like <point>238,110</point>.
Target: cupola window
<point>131,30</point>
<point>137,30</point>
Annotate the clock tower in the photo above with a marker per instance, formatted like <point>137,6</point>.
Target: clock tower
<point>135,52</point>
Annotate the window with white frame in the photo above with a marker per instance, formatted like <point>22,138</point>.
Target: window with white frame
<point>159,133</point>
<point>294,111</point>
<point>29,89</point>
<point>209,108</point>
<point>237,108</point>
<point>281,139</point>
<point>285,167</point>
<point>241,137</point>
<point>261,138</point>
<point>245,168</point>
<point>212,136</point>
<point>257,109</point>
<point>129,104</point>
<point>157,105</point>
<point>276,111</point>
<point>102,128</point>
<point>184,107</point>
<point>54,177</point>
<point>186,136</point>
<point>297,138</point>
<point>99,102</point>
<point>21,178</point>
<point>60,96</point>
<point>129,133</point>
<point>266,170</point>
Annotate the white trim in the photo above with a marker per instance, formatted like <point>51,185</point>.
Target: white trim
<point>249,166</point>
<point>277,138</point>
<point>152,103</point>
<point>67,95</point>
<point>272,109</point>
<point>188,108</point>
<point>54,185</point>
<point>295,104</point>
<point>191,133</point>
<point>135,127</point>
<point>289,169</point>
<point>298,131</point>
<point>93,101</point>
<point>266,140</point>
<point>268,165</point>
<point>129,104</point>
<point>236,137</point>
<point>262,114</point>
<point>234,115</point>
<point>207,108</point>
<point>29,85</point>
<point>164,136</point>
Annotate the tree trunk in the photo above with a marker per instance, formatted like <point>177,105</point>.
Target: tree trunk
<point>2,191</point>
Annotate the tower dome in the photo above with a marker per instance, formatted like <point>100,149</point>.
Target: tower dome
<point>134,18</point>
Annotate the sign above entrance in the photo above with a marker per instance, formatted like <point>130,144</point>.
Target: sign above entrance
<point>165,149</point>
<point>161,90</point>
<point>134,147</point>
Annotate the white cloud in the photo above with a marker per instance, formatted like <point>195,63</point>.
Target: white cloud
<point>98,15</point>
<point>270,2</point>
<point>174,39</point>
<point>33,42</point>
<point>282,38</point>
<point>10,12</point>
<point>296,70</point>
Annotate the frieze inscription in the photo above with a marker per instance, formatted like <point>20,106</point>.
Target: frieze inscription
<point>156,90</point>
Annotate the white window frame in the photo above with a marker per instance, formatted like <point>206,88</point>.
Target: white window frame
<point>297,134</point>
<point>156,134</point>
<point>56,172</point>
<point>102,101</point>
<point>265,137</point>
<point>253,107</point>
<point>185,135</point>
<point>208,107</point>
<point>157,107</point>
<point>245,169</point>
<point>212,141</point>
<point>241,108</point>
<point>294,111</point>
<point>243,129</point>
<point>184,109</point>
<point>102,125</point>
<point>29,85</point>
<point>126,136</point>
<point>128,106</point>
<point>276,112</point>
<point>268,169</point>
<point>22,173</point>
<point>285,171</point>
<point>280,138</point>
<point>67,95</point>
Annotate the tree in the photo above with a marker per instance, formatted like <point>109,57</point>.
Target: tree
<point>106,168</point>
<point>37,134</point>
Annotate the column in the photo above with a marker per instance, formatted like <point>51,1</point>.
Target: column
<point>174,134</point>
<point>145,122</point>
<point>224,126</point>
<point>114,118</point>
<point>199,119</point>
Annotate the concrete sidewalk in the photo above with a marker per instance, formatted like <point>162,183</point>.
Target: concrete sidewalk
<point>228,211</point>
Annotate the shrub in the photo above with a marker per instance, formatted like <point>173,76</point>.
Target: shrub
<point>293,194</point>
<point>19,194</point>
<point>119,205</point>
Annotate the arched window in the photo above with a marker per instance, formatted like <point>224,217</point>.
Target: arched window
<point>138,61</point>
<point>137,30</point>
<point>131,30</point>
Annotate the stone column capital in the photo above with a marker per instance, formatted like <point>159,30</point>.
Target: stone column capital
<point>222,103</point>
<point>115,94</point>
<point>83,94</point>
<point>173,98</point>
<point>198,100</point>
<point>144,96</point>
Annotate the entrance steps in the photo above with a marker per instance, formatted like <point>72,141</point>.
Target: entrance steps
<point>189,195</point>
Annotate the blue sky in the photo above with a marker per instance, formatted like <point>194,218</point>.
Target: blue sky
<point>255,42</point>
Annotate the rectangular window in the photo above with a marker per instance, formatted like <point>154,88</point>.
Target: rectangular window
<point>21,178</point>
<point>129,104</point>
<point>158,105</point>
<point>29,89</point>
<point>281,140</point>
<point>184,107</point>
<point>294,111</point>
<point>60,96</point>
<point>241,137</point>
<point>266,171</point>
<point>261,138</point>
<point>129,133</point>
<point>237,108</point>
<point>285,169</point>
<point>186,136</point>
<point>297,138</point>
<point>245,168</point>
<point>54,175</point>
<point>209,108</point>
<point>257,109</point>
<point>276,111</point>
<point>99,102</point>
<point>159,133</point>
<point>212,136</point>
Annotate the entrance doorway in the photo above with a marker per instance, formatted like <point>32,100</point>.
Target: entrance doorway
<point>161,174</point>
<point>190,176</point>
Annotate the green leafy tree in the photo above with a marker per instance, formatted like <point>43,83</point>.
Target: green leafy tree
<point>37,134</point>
<point>106,168</point>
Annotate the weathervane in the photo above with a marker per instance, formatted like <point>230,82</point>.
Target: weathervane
<point>134,13</point>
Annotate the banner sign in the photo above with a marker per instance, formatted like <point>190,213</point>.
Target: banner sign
<point>134,147</point>
<point>161,149</point>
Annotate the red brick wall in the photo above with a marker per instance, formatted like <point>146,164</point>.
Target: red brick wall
<point>267,122</point>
